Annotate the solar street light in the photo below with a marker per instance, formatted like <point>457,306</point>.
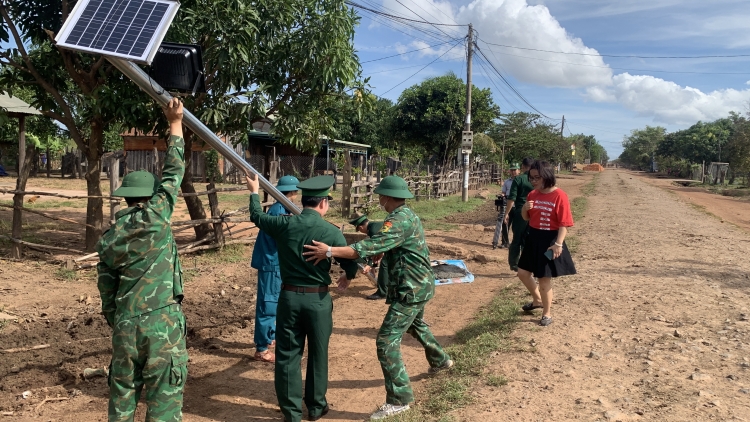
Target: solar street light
<point>179,67</point>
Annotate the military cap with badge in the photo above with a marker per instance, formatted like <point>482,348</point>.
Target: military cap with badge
<point>317,187</point>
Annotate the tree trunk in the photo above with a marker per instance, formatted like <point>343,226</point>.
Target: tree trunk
<point>94,212</point>
<point>49,162</point>
<point>34,162</point>
<point>193,203</point>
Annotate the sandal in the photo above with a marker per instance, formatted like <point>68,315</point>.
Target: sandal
<point>545,321</point>
<point>530,307</point>
<point>265,356</point>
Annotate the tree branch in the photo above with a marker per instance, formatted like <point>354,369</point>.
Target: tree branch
<point>31,69</point>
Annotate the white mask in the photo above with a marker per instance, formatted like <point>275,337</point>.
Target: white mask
<point>382,207</point>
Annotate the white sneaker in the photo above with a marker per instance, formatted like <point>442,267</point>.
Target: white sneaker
<point>387,410</point>
<point>447,365</point>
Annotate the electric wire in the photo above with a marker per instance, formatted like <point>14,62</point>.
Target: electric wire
<point>388,23</point>
<point>619,68</point>
<point>435,26</point>
<point>428,64</point>
<point>490,77</point>
<point>620,55</point>
<point>407,52</point>
<point>359,6</point>
<point>518,94</point>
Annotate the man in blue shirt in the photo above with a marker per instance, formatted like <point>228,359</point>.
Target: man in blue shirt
<point>266,261</point>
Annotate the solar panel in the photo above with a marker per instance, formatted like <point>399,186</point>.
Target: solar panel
<point>129,29</point>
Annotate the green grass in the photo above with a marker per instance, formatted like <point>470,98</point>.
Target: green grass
<point>229,201</point>
<point>230,254</point>
<point>51,204</point>
<point>66,275</point>
<point>488,332</point>
<point>578,207</point>
<point>496,380</point>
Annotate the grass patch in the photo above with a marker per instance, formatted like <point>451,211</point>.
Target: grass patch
<point>496,380</point>
<point>578,207</point>
<point>65,274</point>
<point>488,332</point>
<point>230,201</point>
<point>230,254</point>
<point>48,204</point>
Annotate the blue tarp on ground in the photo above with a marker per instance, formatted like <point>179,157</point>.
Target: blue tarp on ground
<point>468,278</point>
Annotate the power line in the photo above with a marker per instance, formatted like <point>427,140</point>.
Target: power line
<point>618,68</point>
<point>435,26</point>
<point>618,55</point>
<point>428,64</point>
<point>488,75</point>
<point>385,17</point>
<point>359,6</point>
<point>511,86</point>
<point>407,52</point>
<point>394,69</point>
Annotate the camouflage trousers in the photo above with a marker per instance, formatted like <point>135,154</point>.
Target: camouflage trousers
<point>148,351</point>
<point>404,318</point>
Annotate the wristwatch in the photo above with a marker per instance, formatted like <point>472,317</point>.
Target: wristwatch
<point>329,254</point>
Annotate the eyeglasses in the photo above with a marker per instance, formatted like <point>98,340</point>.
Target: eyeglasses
<point>535,177</point>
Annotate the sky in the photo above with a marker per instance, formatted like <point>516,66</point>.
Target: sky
<point>597,93</point>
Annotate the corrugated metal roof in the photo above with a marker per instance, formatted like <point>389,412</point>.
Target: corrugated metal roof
<point>16,105</point>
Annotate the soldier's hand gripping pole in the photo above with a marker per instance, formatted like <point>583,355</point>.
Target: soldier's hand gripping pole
<point>161,96</point>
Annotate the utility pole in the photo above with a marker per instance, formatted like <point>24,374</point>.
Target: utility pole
<point>466,137</point>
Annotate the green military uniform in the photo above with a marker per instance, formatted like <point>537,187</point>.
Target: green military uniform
<point>305,307</point>
<point>140,282</point>
<point>411,286</point>
<point>519,189</point>
<point>373,227</point>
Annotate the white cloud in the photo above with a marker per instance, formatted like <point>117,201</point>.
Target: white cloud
<point>668,102</point>
<point>515,23</point>
<point>518,23</point>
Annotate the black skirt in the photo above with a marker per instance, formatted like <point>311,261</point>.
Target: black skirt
<point>533,260</point>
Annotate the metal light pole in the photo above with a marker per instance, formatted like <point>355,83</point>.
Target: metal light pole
<point>161,96</point>
<point>467,124</point>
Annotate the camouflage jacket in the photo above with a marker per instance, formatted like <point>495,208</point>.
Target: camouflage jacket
<point>139,270</point>
<point>407,257</point>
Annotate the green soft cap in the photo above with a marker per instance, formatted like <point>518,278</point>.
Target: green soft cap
<point>395,187</point>
<point>138,184</point>
<point>317,186</point>
<point>287,184</point>
<point>358,219</point>
<point>515,166</point>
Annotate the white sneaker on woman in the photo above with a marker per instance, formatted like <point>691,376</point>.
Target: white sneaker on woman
<point>388,410</point>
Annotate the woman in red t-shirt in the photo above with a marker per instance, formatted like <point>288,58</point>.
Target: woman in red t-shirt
<point>545,254</point>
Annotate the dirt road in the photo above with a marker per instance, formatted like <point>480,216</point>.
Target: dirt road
<point>654,326</point>
<point>650,329</point>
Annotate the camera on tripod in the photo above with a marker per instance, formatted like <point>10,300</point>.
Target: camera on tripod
<point>499,202</point>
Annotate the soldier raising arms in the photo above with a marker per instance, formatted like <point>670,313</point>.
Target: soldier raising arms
<point>411,286</point>
<point>140,282</point>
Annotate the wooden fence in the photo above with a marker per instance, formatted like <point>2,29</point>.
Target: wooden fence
<point>358,186</point>
<point>225,224</point>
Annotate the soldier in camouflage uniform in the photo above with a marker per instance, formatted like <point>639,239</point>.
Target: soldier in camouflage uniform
<point>411,286</point>
<point>140,282</point>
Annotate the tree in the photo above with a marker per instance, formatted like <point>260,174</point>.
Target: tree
<point>370,126</point>
<point>529,135</point>
<point>82,92</point>
<point>287,61</point>
<point>640,146</point>
<point>431,114</point>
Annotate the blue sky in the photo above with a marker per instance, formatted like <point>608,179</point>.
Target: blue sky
<point>600,95</point>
